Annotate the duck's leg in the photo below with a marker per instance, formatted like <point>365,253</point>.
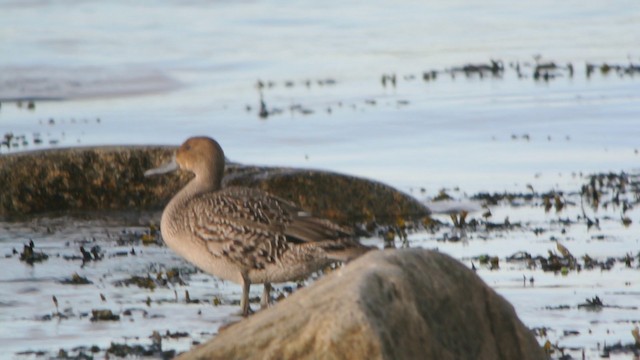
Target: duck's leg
<point>266,296</point>
<point>244,302</point>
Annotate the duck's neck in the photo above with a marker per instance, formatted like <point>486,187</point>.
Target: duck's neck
<point>198,185</point>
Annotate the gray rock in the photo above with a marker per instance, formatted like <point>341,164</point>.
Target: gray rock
<point>391,304</point>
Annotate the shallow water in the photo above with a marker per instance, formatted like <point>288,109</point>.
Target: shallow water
<point>545,300</point>
<point>195,65</point>
<point>158,72</point>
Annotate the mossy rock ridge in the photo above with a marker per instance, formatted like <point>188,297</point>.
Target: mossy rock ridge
<point>112,178</point>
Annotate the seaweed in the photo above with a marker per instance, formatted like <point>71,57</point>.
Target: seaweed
<point>30,256</point>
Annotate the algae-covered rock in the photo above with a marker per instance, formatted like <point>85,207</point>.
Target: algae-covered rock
<point>112,178</point>
<point>342,198</point>
<point>102,178</point>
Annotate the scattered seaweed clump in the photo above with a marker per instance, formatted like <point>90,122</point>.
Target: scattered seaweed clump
<point>505,225</point>
<point>492,262</point>
<point>30,256</point>
<point>77,353</point>
<point>175,335</point>
<point>590,263</point>
<point>37,353</point>
<point>495,68</point>
<point>65,314</point>
<point>161,279</point>
<point>611,190</point>
<point>519,256</point>
<point>550,200</point>
<point>442,196</point>
<point>103,315</point>
<point>139,281</point>
<point>594,303</point>
<point>509,198</point>
<point>551,349</point>
<point>460,222</point>
<point>563,263</point>
<point>152,236</point>
<point>94,254</point>
<point>171,276</point>
<point>538,70</point>
<point>618,348</point>
<point>606,69</point>
<point>554,200</point>
<point>154,350</point>
<point>81,355</point>
<point>76,279</point>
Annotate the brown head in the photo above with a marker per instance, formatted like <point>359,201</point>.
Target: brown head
<point>200,155</point>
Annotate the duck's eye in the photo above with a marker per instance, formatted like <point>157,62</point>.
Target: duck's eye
<point>187,147</point>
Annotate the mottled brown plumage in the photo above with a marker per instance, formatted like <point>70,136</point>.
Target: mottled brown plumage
<point>245,235</point>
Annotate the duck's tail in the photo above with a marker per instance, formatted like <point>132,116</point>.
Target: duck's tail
<point>346,250</point>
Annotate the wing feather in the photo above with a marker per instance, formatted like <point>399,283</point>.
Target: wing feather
<point>254,228</point>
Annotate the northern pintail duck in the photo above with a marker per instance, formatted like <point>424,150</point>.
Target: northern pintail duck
<point>241,234</point>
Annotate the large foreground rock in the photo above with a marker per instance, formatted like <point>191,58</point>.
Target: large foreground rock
<point>391,304</point>
<point>111,178</point>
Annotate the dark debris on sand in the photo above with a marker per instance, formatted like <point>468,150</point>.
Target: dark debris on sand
<point>30,256</point>
<point>154,350</point>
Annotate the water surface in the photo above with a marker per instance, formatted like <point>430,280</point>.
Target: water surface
<point>157,72</point>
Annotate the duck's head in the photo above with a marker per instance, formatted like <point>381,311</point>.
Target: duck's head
<point>201,155</point>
